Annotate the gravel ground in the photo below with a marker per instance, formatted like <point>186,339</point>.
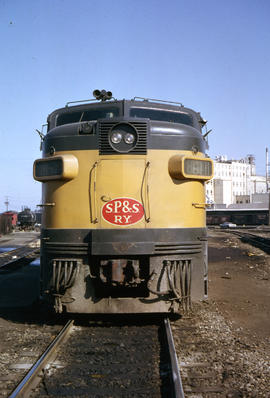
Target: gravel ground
<point>238,364</point>
<point>230,333</point>
<point>22,339</point>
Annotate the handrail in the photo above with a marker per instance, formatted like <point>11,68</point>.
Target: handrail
<point>158,100</point>
<point>92,198</point>
<point>78,101</point>
<point>145,183</point>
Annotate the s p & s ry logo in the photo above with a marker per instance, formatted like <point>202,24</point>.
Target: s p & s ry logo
<point>122,211</point>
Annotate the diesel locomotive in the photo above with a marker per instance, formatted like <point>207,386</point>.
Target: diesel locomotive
<point>123,224</point>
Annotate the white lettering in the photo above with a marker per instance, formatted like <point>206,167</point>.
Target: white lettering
<point>126,209</point>
<point>117,205</point>
<point>135,207</point>
<point>109,208</point>
<point>126,218</point>
<point>118,219</point>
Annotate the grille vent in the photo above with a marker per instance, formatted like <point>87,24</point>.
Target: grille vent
<point>178,248</point>
<point>56,248</point>
<point>106,149</point>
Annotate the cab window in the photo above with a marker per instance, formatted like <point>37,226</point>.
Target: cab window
<point>164,116</point>
<point>86,115</point>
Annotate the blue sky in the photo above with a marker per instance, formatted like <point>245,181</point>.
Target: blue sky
<point>213,56</point>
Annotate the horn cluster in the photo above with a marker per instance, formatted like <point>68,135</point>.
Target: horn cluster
<point>102,95</point>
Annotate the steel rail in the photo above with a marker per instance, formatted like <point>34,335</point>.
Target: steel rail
<point>14,256</point>
<point>255,240</point>
<point>176,377</point>
<point>32,378</point>
<point>14,252</point>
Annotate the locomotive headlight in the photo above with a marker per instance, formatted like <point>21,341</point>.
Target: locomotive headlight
<point>63,167</point>
<point>116,137</point>
<point>185,167</point>
<point>129,138</point>
<point>123,137</point>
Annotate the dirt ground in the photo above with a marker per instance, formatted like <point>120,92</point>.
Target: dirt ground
<point>239,283</point>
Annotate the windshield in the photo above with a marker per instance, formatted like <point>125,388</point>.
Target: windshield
<point>87,115</point>
<point>164,116</point>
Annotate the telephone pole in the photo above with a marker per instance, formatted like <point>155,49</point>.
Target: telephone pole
<point>267,181</point>
<point>7,203</point>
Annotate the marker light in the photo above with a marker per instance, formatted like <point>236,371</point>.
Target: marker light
<point>186,167</point>
<point>48,168</point>
<point>64,167</point>
<point>198,167</point>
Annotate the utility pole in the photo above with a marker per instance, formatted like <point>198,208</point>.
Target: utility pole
<point>267,165</point>
<point>267,181</point>
<point>6,203</point>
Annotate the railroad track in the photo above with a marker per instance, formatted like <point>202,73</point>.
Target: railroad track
<point>14,257</point>
<point>202,374</point>
<point>105,360</point>
<point>253,239</point>
<point>35,374</point>
<point>176,381</point>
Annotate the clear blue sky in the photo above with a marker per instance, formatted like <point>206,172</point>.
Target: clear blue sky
<point>211,55</point>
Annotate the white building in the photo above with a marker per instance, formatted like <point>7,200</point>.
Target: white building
<point>234,181</point>
<point>258,184</point>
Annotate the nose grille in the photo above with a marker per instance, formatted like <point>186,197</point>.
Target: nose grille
<point>105,147</point>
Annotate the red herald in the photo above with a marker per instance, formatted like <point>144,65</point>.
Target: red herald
<point>123,211</point>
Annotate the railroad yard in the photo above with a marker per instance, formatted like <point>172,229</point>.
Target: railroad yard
<point>222,345</point>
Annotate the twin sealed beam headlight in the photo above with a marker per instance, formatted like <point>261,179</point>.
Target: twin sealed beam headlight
<point>118,136</point>
<point>187,167</point>
<point>64,167</point>
<point>123,137</point>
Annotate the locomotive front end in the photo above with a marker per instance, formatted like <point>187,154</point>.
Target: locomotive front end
<point>123,227</point>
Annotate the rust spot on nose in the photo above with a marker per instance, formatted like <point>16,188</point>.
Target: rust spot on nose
<point>122,247</point>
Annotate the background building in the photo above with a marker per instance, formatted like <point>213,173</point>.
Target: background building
<point>234,182</point>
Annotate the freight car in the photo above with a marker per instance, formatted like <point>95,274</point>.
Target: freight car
<point>238,216</point>
<point>123,226</point>
<point>5,224</point>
